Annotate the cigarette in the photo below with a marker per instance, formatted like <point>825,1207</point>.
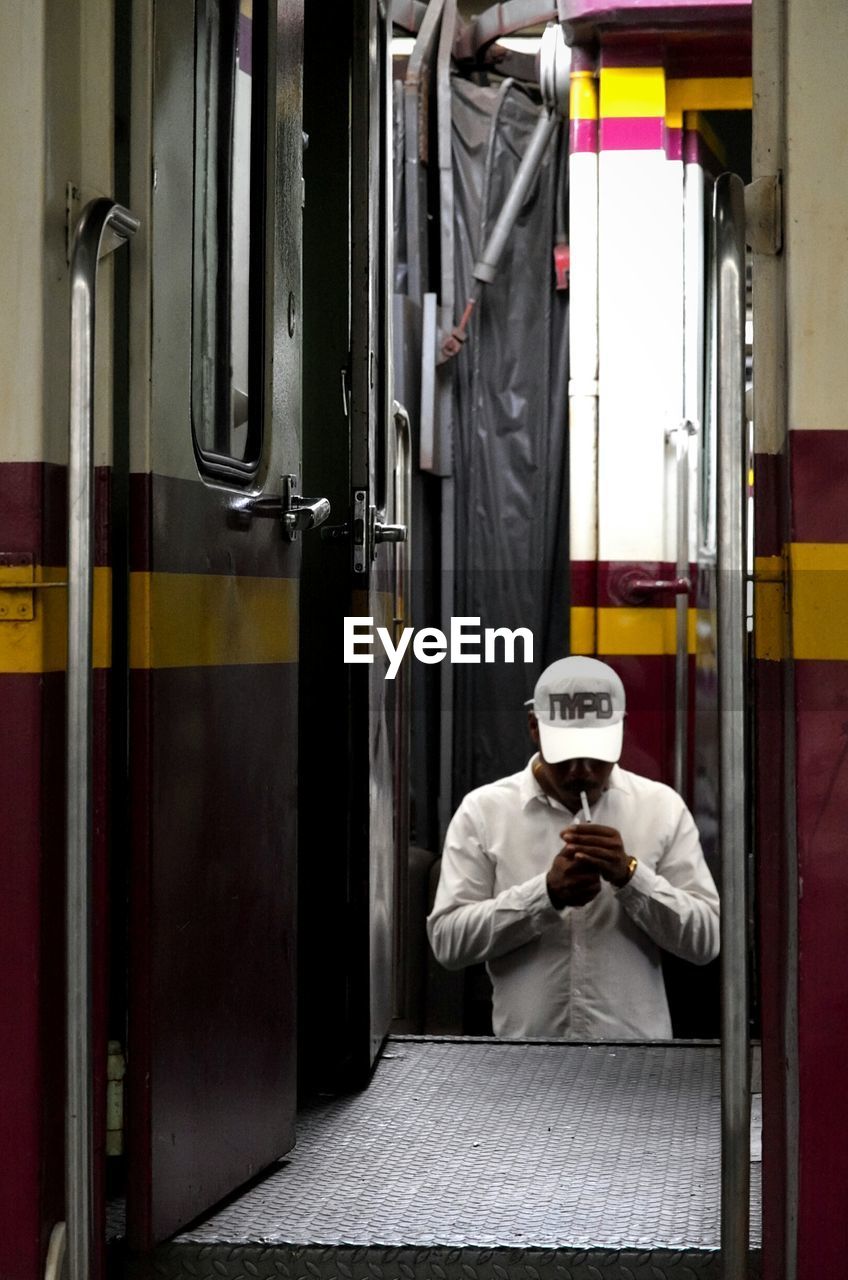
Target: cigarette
<point>584,801</point>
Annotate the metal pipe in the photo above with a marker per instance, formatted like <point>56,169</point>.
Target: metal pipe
<point>693,382</point>
<point>402,514</point>
<point>729,216</point>
<point>96,219</point>
<point>583,329</point>
<point>486,266</point>
<point>681,661</point>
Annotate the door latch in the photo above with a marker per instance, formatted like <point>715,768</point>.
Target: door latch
<point>367,531</point>
<point>389,532</point>
<point>295,513</point>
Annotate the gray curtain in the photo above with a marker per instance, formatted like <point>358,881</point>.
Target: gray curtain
<point>510,428</point>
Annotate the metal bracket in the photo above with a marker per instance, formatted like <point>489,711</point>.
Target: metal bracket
<point>17,577</point>
<point>17,584</point>
<point>54,1266</point>
<point>685,428</point>
<point>76,198</point>
<point>764,214</point>
<point>361,531</point>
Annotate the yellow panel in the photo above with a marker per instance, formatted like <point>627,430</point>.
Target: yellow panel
<point>583,96</point>
<point>632,91</point>
<point>819,595</point>
<point>710,93</point>
<point>41,644</point>
<point>582,629</point>
<point>622,631</point>
<point>211,620</point>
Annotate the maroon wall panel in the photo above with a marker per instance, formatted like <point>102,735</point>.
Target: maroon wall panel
<point>819,465</point>
<point>32,899</point>
<point>20,965</point>
<point>822,803</point>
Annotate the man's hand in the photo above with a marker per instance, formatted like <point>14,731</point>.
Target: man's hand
<point>599,849</point>
<point>570,883</point>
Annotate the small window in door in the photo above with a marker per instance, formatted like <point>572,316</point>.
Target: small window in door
<point>228,247</point>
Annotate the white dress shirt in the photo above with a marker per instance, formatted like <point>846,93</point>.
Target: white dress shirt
<point>582,973</point>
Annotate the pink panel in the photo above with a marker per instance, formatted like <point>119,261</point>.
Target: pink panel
<point>633,133</point>
<point>583,136</point>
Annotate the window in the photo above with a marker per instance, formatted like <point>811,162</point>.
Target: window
<point>229,204</point>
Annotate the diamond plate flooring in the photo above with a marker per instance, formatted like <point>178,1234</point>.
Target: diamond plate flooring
<point>477,1158</point>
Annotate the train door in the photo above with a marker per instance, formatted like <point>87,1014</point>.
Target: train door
<point>377,440</point>
<point>352,724</point>
<point>214,555</point>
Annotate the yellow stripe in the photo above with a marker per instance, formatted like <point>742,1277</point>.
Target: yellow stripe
<point>830,557</point>
<point>30,648</point>
<point>819,596</point>
<point>582,629</point>
<point>583,96</point>
<point>643,631</point>
<point>211,620</point>
<point>710,93</point>
<point>632,91</point>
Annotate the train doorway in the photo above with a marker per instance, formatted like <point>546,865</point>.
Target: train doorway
<point>566,445</point>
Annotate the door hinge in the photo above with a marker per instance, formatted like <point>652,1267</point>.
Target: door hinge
<point>116,1070</point>
<point>764,214</point>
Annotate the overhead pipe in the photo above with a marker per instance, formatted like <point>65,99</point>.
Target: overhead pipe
<point>553,77</point>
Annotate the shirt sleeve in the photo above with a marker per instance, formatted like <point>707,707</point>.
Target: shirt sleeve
<point>469,922</point>
<point>677,905</point>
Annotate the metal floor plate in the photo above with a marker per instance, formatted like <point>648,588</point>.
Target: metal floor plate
<point>490,1160</point>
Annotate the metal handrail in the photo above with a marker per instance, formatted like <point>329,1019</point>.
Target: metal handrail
<point>729,265</point>
<point>98,217</point>
<point>402,514</point>
<point>682,435</point>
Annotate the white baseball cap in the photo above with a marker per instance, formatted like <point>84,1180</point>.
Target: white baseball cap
<point>580,706</point>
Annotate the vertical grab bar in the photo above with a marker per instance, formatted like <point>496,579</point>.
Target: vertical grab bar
<point>96,220</point>
<point>729,216</point>
<point>682,434</point>
<point>402,515</point>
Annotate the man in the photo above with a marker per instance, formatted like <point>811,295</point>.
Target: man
<point>569,914</point>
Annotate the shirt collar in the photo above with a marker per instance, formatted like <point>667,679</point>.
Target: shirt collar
<point>530,789</point>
